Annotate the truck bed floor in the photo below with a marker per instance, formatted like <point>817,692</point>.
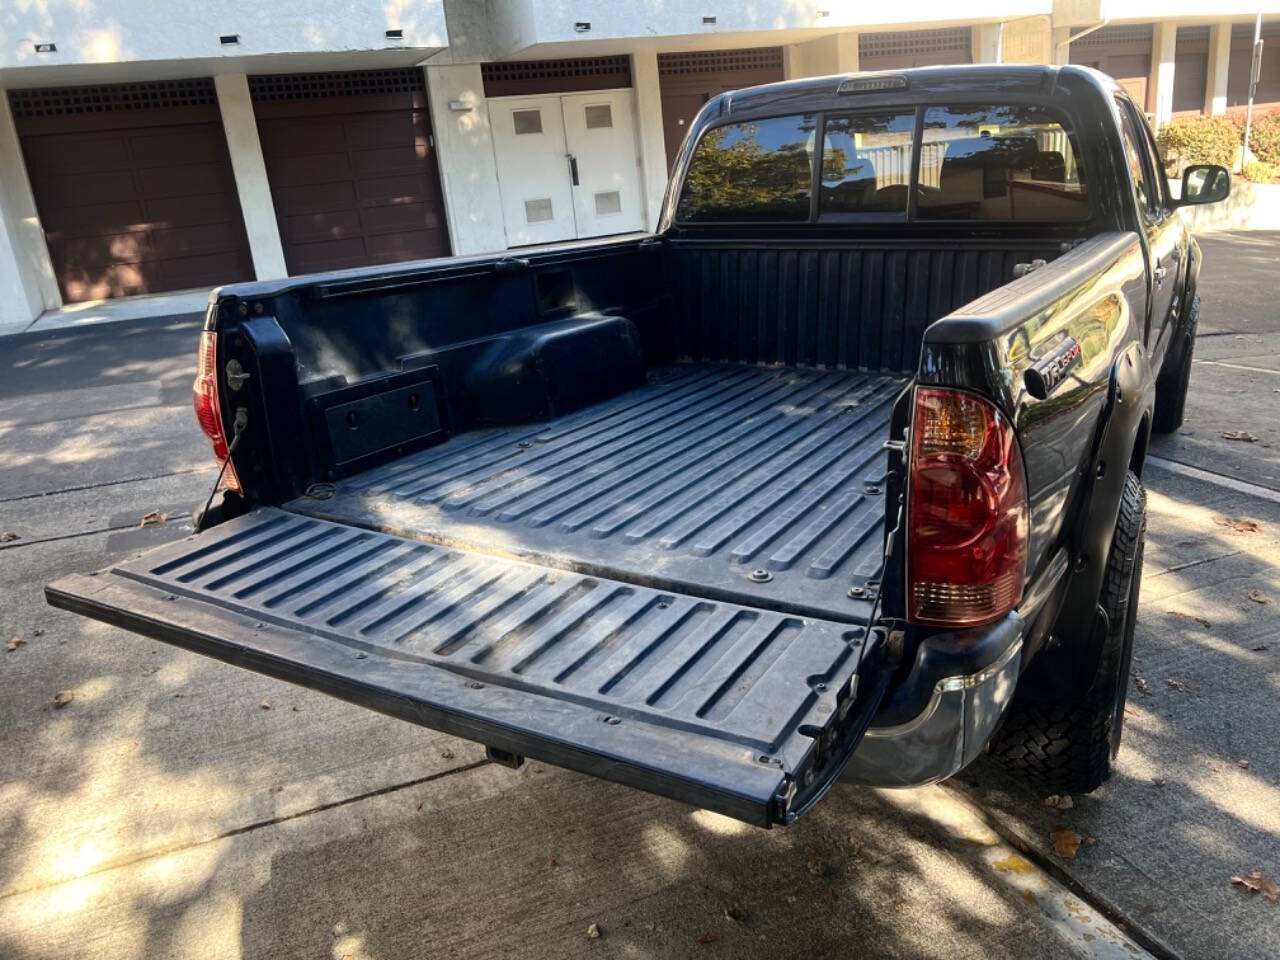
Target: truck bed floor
<point>756,485</point>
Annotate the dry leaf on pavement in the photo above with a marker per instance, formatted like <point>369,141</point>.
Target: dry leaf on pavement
<point>1141,685</point>
<point>1256,883</point>
<point>14,643</point>
<point>62,698</point>
<point>1191,616</point>
<point>735,913</point>
<point>704,938</point>
<point>1242,764</point>
<point>1059,801</point>
<point>1176,684</point>
<point>1066,842</point>
<point>1239,435</point>
<point>593,932</point>
<point>8,537</point>
<point>1238,525</point>
<point>1257,596</point>
<point>155,516</point>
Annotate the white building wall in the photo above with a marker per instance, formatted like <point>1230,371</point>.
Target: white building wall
<point>27,283</point>
<point>464,146</point>
<point>250,169</point>
<point>649,134</point>
<point>125,31</point>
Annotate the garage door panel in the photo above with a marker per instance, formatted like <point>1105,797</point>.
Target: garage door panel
<point>78,191</point>
<point>398,217</point>
<point>351,164</point>
<point>185,144</point>
<point>134,187</point>
<point>321,226</point>
<point>315,198</point>
<point>317,168</point>
<point>405,158</point>
<point>394,189</point>
<point>57,154</point>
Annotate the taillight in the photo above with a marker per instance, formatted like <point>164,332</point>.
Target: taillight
<point>204,394</point>
<point>966,512</point>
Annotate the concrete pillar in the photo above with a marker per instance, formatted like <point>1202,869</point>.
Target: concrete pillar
<point>28,286</point>
<point>1164,44</point>
<point>652,144</point>
<point>250,171</point>
<point>464,151</point>
<point>1060,48</point>
<point>987,40</point>
<point>792,62</point>
<point>847,53</point>
<point>1215,88</point>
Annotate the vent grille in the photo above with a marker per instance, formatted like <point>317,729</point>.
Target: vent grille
<point>1244,31</point>
<point>1137,34</point>
<point>718,61</point>
<point>1189,36</point>
<point>906,42</point>
<point>320,86</point>
<point>547,76</point>
<point>63,101</point>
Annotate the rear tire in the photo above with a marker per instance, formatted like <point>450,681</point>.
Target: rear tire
<point>1067,746</point>
<point>1171,385</point>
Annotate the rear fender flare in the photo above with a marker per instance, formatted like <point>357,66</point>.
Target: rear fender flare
<point>1072,654</point>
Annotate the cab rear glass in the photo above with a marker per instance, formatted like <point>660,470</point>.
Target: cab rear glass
<point>990,162</point>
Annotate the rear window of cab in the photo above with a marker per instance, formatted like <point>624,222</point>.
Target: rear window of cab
<point>1002,163</point>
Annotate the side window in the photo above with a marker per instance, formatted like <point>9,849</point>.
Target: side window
<point>1144,190</point>
<point>761,170</point>
<point>999,163</point>
<point>866,163</point>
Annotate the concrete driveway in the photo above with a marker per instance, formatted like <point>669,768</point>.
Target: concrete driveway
<point>178,807</point>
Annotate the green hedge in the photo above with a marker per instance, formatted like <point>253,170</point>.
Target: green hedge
<point>1199,140</point>
<point>1259,172</point>
<point>1264,138</point>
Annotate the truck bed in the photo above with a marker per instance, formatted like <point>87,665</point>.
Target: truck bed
<point>753,485</point>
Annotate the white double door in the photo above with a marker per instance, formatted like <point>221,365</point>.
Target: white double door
<point>567,166</point>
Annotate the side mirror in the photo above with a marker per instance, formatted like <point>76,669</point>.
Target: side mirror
<point>1204,183</point>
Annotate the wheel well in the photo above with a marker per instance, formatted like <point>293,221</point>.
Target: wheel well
<point>1139,455</point>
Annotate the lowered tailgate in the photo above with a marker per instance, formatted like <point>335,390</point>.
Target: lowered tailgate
<point>745,711</point>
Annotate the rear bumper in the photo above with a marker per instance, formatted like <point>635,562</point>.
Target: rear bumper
<point>941,717</point>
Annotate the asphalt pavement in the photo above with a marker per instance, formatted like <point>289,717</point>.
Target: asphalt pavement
<point>179,807</point>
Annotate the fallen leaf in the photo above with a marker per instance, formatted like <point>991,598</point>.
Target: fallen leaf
<point>735,913</point>
<point>831,894</point>
<point>1066,843</point>
<point>155,516</point>
<point>593,932</point>
<point>1242,764</point>
<point>1257,596</point>
<point>1239,435</point>
<point>1259,648</point>
<point>1191,616</point>
<point>1090,841</point>
<point>1059,801</point>
<point>8,537</point>
<point>14,643</point>
<point>62,698</point>
<point>704,938</point>
<point>1141,685</point>
<point>1256,883</point>
<point>1160,781</point>
<point>446,754</point>
<point>1175,684</point>
<point>264,705</point>
<point>420,803</point>
<point>1244,525</point>
<point>815,866</point>
<point>1130,711</point>
<point>38,632</point>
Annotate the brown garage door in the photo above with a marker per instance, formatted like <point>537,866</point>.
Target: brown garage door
<point>352,167</point>
<point>134,187</point>
<point>1268,91</point>
<point>688,80</point>
<point>1124,52</point>
<point>902,49</point>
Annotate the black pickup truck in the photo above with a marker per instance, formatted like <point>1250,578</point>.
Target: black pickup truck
<point>836,476</point>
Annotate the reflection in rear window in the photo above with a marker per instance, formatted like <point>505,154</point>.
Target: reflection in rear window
<point>999,163</point>
<point>761,170</point>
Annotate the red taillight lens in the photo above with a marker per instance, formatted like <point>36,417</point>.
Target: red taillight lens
<point>204,395</point>
<point>966,512</point>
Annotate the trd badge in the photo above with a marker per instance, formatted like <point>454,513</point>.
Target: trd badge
<point>1043,377</point>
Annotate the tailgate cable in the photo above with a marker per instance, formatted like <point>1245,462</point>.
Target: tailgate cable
<point>241,421</point>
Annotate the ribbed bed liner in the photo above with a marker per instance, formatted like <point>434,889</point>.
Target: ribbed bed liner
<point>757,485</point>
